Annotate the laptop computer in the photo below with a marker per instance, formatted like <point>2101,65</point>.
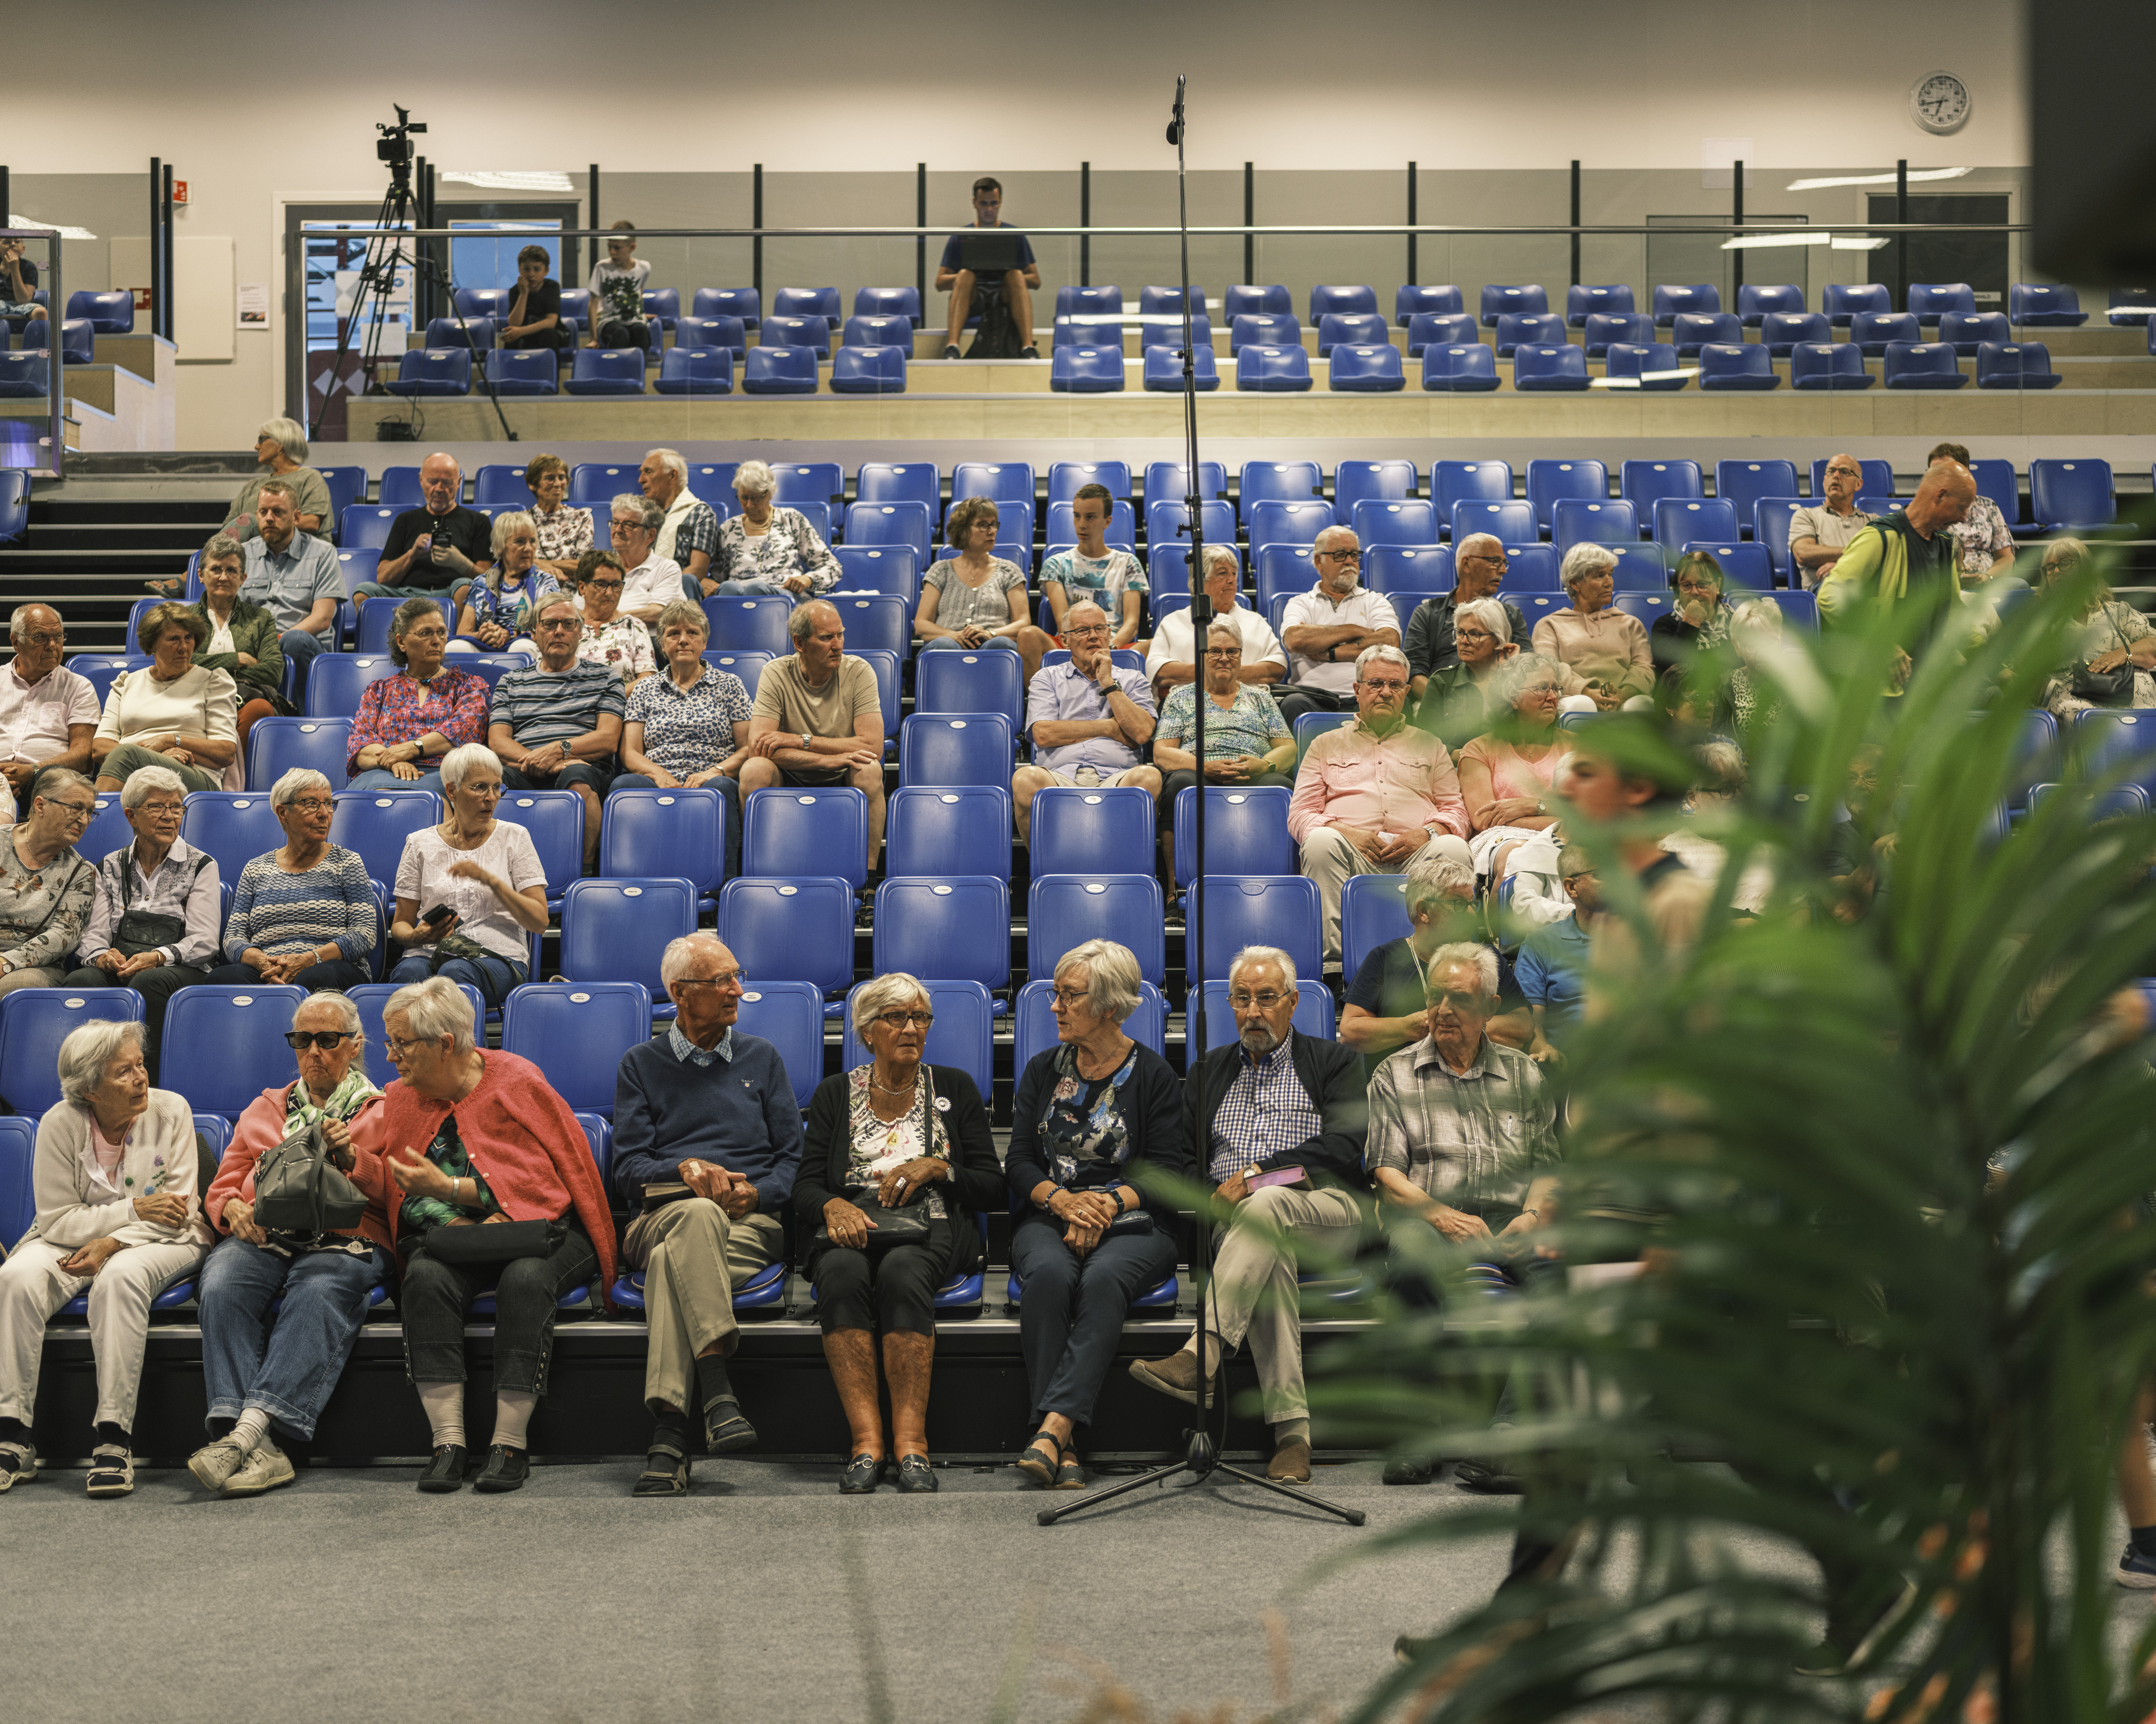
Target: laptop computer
<point>989,251</point>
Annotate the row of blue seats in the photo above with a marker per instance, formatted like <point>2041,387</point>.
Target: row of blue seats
<point>431,371</point>
<point>1472,369</point>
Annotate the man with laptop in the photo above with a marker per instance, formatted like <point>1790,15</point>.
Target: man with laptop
<point>989,268</point>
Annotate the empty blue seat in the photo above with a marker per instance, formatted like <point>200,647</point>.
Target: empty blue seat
<point>1930,300</point>
<point>1922,365</point>
<point>868,371</point>
<point>1799,610</point>
<point>594,482</point>
<point>874,621</point>
<point>1355,481</point>
<point>1539,367</point>
<point>1515,329</point>
<point>1965,332</point>
<point>1343,302</point>
<point>990,681</point>
<point>1779,331</point>
<point>2116,742</point>
<point>77,340</point>
<point>1277,910</point>
<point>23,377</point>
<point>1154,302</point>
<point>1693,330</point>
<point>1108,829</point>
<point>2132,305</point>
<point>1407,569</point>
<point>1550,480</point>
<point>476,333</point>
<point>775,371</point>
<point>890,523</point>
<point>878,332</point>
<point>1278,481</point>
<point>1742,564</point>
<point>1441,300</point>
<point>399,488</point>
<point>2016,365</point>
<point>948,828</point>
<point>440,371</point>
<point>1756,303</point>
<point>1639,569</point>
<point>1263,329</point>
<point>1245,833</point>
<point>1583,302</point>
<point>1679,519</point>
<point>1275,523</point>
<point>606,371</point>
<point>615,930</point>
<point>14,503</point>
<point>1095,369</point>
<point>1605,328</point>
<point>336,680</point>
<point>275,746</point>
<point>488,302</point>
<point>1335,327</point>
<point>1170,480</point>
<point>726,332</point>
<point>1531,568</point>
<point>1460,368</point>
<point>1499,301</point>
<point>2071,496</point>
<point>1642,365</point>
<point>500,485</point>
<point>576,1033</point>
<point>373,825</point>
<point>807,302</point>
<point>903,481</point>
<point>1243,299</point>
<point>696,370</point>
<point>749,625</point>
<point>798,929</point>
<point>792,830</point>
<point>1007,482</point>
<point>797,331</point>
<point>663,305</point>
<point>234,826</point>
<point>1606,520</point>
<point>745,303</point>
<point>229,1041</point>
<point>653,833</point>
<point>1828,365</point>
<point>1163,370</point>
<point>1063,911</point>
<point>107,313</point>
<point>1283,570</point>
<point>1409,522</point>
<point>101,669</point>
<point>1770,528</point>
<point>33,1022</point>
<point>2043,303</point>
<point>1367,368</point>
<point>1743,483</point>
<point>1374,910</point>
<point>940,748</point>
<point>1094,302</point>
<point>1645,483</point>
<point>1513,521</point>
<point>1841,301</point>
<point>957,928</point>
<point>888,302</point>
<point>1872,333</point>
<point>1734,365</point>
<point>1673,301</point>
<point>1440,328</point>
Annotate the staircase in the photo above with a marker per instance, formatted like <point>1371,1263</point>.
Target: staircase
<point>88,558</point>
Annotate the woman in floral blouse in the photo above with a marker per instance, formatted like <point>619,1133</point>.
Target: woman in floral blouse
<point>406,723</point>
<point>610,638</point>
<point>565,534</point>
<point>496,611</point>
<point>1983,544</point>
<point>769,550</point>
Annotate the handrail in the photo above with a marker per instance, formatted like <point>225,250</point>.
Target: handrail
<point>1553,230</point>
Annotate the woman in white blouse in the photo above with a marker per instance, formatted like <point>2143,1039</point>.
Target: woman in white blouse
<point>172,713</point>
<point>485,873</point>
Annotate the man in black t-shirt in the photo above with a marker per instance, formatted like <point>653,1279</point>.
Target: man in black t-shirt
<point>441,548</point>
<point>1384,1007</point>
<point>990,296</point>
<point>534,318</point>
<point>18,280</point>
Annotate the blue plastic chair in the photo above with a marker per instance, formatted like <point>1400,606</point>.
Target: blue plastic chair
<point>1159,301</point>
<point>1276,329</point>
<point>789,1015</point>
<point>691,334</point>
<point>500,485</point>
<point>1770,528</point>
<point>798,929</point>
<point>1066,477</point>
<point>1163,370</point>
<point>1392,569</point>
<point>2071,496</point>
<point>1367,369</point>
<point>874,621</point>
<point>1965,332</point>
<point>1500,301</point>
<point>1513,521</point>
<point>1533,568</point>
<point>1357,481</point>
<point>745,303</point>
<point>1604,330</point>
<point>554,821</point>
<point>1090,302</point>
<point>1456,481</point>
<point>1440,301</point>
<point>1694,330</point>
<point>696,370</point>
<point>435,371</point>
<point>1755,303</point>
<point>1584,302</point>
<point>1742,564</point>
<point>1645,484</point>
<point>790,831</point>
<point>874,568</point>
<point>1283,570</point>
<point>1680,520</point>
<point>1063,911</point>
<point>2131,305</point>
<point>1295,482</point>
<point>1779,331</point>
<point>777,371</point>
<point>1093,369</point>
<point>1344,328</point>
<point>1548,369</point>
<point>876,331</point>
<point>1609,521</point>
<point>19,1141</point>
<point>476,333</point>
<point>1550,480</point>
<point>1538,329</point>
<point>868,371</point>
<point>1411,522</point>
<point>818,302</point>
<point>1651,367</point>
<point>1245,832</point>
<point>1170,481</point>
<point>749,624</point>
<point>1168,332</point>
<point>78,341</point>
<point>520,371</point>
<point>797,331</point>
<point>892,523</point>
<point>957,928</point>
<point>940,750</point>
<point>23,377</point>
<point>606,371</point>
<point>990,681</point>
<point>1342,301</point>
<point>655,832</point>
<point>2016,365</point>
<point>1673,301</point>
<point>888,302</point>
<point>1828,365</point>
<point>946,830</point>
<point>107,313</point>
<point>108,830</point>
<point>101,669</point>
<point>1272,369</point>
<point>1922,365</point>
<point>615,930</point>
<point>1280,910</point>
<point>1743,483</point>
<point>1108,829</point>
<point>900,482</point>
<point>2028,303</point>
<point>2107,742</point>
<point>746,667</point>
<point>373,825</point>
<point>230,1043</point>
<point>33,1022</point>
<point>1733,365</point>
<point>1247,300</point>
<point>1799,610</point>
<point>1275,522</point>
<point>1872,332</point>
<point>1427,330</point>
<point>595,484</point>
<point>1842,302</point>
<point>1007,482</point>
<point>232,827</point>
<point>576,1033</point>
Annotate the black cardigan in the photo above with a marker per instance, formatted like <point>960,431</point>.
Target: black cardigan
<point>1151,1104</point>
<point>1333,1076</point>
<point>976,1181</point>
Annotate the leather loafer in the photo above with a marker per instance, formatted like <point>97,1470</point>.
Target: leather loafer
<point>1291,1462</point>
<point>506,1469</point>
<point>915,1474</point>
<point>445,1472</point>
<point>1411,1472</point>
<point>862,1476</point>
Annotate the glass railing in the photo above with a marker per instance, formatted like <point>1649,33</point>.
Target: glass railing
<point>41,343</point>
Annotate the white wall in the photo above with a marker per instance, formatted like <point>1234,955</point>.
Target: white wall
<point>256,103</point>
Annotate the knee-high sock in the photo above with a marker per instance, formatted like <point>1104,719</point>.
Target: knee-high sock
<point>443,1404</point>
<point>512,1414</point>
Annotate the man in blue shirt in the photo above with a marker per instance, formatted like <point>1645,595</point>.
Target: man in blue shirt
<point>993,294</point>
<point>1551,967</point>
<point>708,1108</point>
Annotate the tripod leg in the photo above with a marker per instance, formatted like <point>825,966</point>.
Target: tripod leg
<point>1353,1517</point>
<point>1048,1517</point>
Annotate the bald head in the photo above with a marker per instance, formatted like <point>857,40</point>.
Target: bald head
<point>1942,498</point>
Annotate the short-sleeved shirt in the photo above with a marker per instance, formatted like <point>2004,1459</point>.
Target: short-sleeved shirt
<point>1171,641</point>
<point>1831,530</point>
<point>656,580</point>
<point>960,606</point>
<point>542,302</point>
<point>1981,537</point>
<point>1389,982</point>
<point>784,695</point>
<point>540,706</point>
<point>618,294</point>
<point>622,643</point>
<point>952,255</point>
<point>1361,609</point>
<point>469,532</point>
<point>311,495</point>
<point>29,278</point>
<point>1102,580</point>
<point>34,717</point>
<point>1060,693</point>
<point>511,606</point>
<point>287,582</point>
<point>1552,969</point>
<point>565,535</point>
<point>687,730</point>
<point>423,876</point>
<point>1252,726</point>
<point>1476,1138</point>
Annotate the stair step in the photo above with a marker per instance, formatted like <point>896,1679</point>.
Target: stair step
<point>72,511</point>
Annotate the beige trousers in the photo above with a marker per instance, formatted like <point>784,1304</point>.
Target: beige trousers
<point>32,1287</point>
<point>693,1257</point>
<point>1255,1294</point>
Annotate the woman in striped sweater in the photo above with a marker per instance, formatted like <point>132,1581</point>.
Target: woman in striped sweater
<point>304,913</point>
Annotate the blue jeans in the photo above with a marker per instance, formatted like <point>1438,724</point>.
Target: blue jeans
<point>729,791</point>
<point>289,1370</point>
<point>493,976</point>
<point>947,643</point>
<point>746,588</point>
<point>1072,1314</point>
<point>380,778</point>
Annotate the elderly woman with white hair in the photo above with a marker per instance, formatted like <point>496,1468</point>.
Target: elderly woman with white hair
<point>46,890</point>
<point>495,1188</point>
<point>1607,646</point>
<point>268,1370</point>
<point>281,452</point>
<point>765,549</point>
<point>408,723</point>
<point>495,611</point>
<point>1086,1240</point>
<point>897,1158</point>
<point>480,882</point>
<point>304,914</point>
<point>2111,658</point>
<point>1508,775</point>
<point>114,1180</point>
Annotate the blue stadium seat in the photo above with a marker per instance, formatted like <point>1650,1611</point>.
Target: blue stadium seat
<point>663,305</point>
<point>1032,1021</point>
<point>650,833</point>
<point>23,377</point>
<point>892,523</point>
<point>800,484</point>
<point>1922,365</point>
<point>100,669</point>
<point>1344,302</point>
<point>695,371</point>
<point>1756,303</point>
<point>903,481</point>
<point>1167,518</point>
<point>1105,829</point>
<point>956,928</point>
<point>1460,369</point>
<point>476,333</point>
<point>1169,481</point>
<point>1153,332</point>
<point>1245,832</point>
<point>1648,366</point>
<point>1744,482</point>
<point>1518,302</point>
<point>107,313</point>
<point>2131,306</point>
<point>1828,365</point>
<point>1092,369</point>
<point>1065,478</point>
<point>33,1022</point>
<point>576,1033</point>
<point>1645,484</point>
<point>1411,302</point>
<point>1455,482</point>
<point>1007,482</point>
<point>399,488</point>
<point>1355,481</point>
<point>1779,331</point>
<point>1245,299</point>
<point>336,680</point>
<point>876,620</point>
<point>1679,519</point>
<point>785,332</point>
<point>962,1034</point>
<point>878,332</point>
<point>949,828</point>
<point>1872,332</point>
<point>1965,332</point>
<point>1163,370</point>
<point>1263,329</point>
<point>868,371</point>
<point>745,303</point>
<point>502,486</point>
<point>1311,726</point>
<point>1842,301</point>
<point>19,1137</point>
<point>1428,329</point>
<point>1297,481</point>
<point>789,1015</point>
<point>1408,568</point>
<point>807,302</point>
<point>2071,496</point>
<point>939,749</point>
<point>1583,302</point>
<point>1609,521</point>
<point>1605,329</point>
<point>776,371</point>
<point>712,332</point>
<point>230,1043</point>
<point>606,371</point>
<point>1093,303</point>
<point>373,825</point>
<point>2016,365</point>
<point>1799,610</point>
<point>1159,301</point>
<point>1275,523</point>
<point>1411,522</point>
<point>1276,910</point>
<point>1639,569</point>
<point>1672,301</point>
<point>1272,370</point>
<point>798,929</point>
<point>1532,567</point>
<point>1743,564</point>
<point>554,819</point>
<point>1516,330</point>
<point>1553,368</point>
<point>1550,480</point>
<point>1734,365</point>
<point>1065,910</point>
<point>594,485</point>
<point>1340,328</point>
<point>792,829</point>
<point>1122,525</point>
<point>108,830</point>
<point>885,664</point>
<point>1313,1008</point>
<point>1770,528</point>
<point>1647,607</point>
<point>77,342</point>
<point>2028,303</point>
<point>1694,330</point>
<point>576,309</point>
<point>749,624</point>
<point>439,371</point>
<point>1995,479</point>
<point>746,666</point>
<point>888,302</point>
<point>615,930</point>
<point>1930,300</point>
<point>990,681</point>
<point>1513,521</point>
<point>2107,743</point>
<point>232,826</point>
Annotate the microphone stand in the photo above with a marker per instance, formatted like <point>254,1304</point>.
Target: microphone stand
<point>1201,1458</point>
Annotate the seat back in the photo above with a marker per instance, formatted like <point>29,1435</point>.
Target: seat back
<point>1313,1012</point>
<point>780,370</point>
<point>1531,568</point>
<point>436,371</point>
<point>1245,299</point>
<point>1645,483</point>
<point>1458,482</point>
<point>990,681</point>
<point>1344,302</point>
<point>1770,528</point>
<point>18,1147</point>
<point>1930,300</point>
<point>576,1033</point>
<point>706,332</point>
<point>1342,328</point>
<point>108,830</point>
<point>749,624</point>
<point>656,833</point>
<point>1742,565</point>
<point>1063,911</point>
<point>956,927</point>
<point>1725,362</point>
<point>1271,366</point>
<point>1694,330</point>
<point>962,1034</point>
<point>1755,302</point>
<point>1108,829</point>
<point>920,481</point>
<point>230,1043</point>
<point>1408,568</point>
<point>1672,301</point>
<point>1611,522</point>
<point>1166,519</point>
<point>873,568</point>
<point>33,1022</point>
<point>1409,522</point>
<point>2107,743</point>
<point>746,303</point>
<point>1429,329</point>
<point>1680,520</point>
<point>1744,482</point>
<point>1549,480</point>
<point>373,825</point>
<point>1282,524</point>
<point>1583,300</point>
<point>503,485</point>
<point>1282,571</point>
<point>1512,521</point>
<point>792,829</point>
<point>554,821</point>
<point>878,332</point>
<point>1007,482</point>
<point>935,749</point>
<point>880,621</point>
<point>1170,481</point>
<point>615,930</point>
<point>1279,329</point>
<point>892,523</point>
<point>1843,300</point>
<point>746,667</point>
<point>1910,362</point>
<point>789,1015</point>
<point>807,302</point>
<point>696,370</point>
<point>1500,301</point>
<point>474,333</point>
<point>1517,330</point>
<point>799,929</point>
<point>1277,910</point>
<point>276,746</point>
<point>1821,363</point>
<point>1441,299</point>
<point>335,681</point>
<point>813,333</point>
<point>1294,481</point>
<point>232,827</point>
<point>2014,365</point>
<point>1779,331</point>
<point>888,302</point>
<point>1356,482</point>
<point>1965,332</point>
<point>1369,367</point>
<point>1605,329</point>
<point>943,830</point>
<point>1245,833</point>
<point>107,313</point>
<point>2066,494</point>
<point>663,305</point>
<point>365,527</point>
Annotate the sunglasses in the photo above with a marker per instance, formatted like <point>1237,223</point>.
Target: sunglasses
<point>323,1039</point>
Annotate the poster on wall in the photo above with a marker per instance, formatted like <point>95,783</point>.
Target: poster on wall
<point>254,298</point>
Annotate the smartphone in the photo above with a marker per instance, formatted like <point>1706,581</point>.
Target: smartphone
<point>435,917</point>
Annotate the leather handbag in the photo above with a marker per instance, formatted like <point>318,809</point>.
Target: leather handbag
<point>496,1242</point>
<point>299,1190</point>
<point>891,1227</point>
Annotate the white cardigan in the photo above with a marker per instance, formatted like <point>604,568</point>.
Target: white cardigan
<point>69,1213</point>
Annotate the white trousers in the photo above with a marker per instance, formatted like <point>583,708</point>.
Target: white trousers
<point>32,1287</point>
<point>1330,859</point>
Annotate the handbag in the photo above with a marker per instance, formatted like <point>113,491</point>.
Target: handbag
<point>299,1190</point>
<point>2103,688</point>
<point>454,945</point>
<point>496,1242</point>
<point>891,1227</point>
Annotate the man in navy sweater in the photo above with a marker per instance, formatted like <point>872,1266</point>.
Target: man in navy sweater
<point>711,1108</point>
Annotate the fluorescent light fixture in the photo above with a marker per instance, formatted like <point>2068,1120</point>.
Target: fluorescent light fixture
<point>1859,242</point>
<point>65,233</point>
<point>1645,377</point>
<point>1873,179</point>
<point>1757,242</point>
<point>543,180</point>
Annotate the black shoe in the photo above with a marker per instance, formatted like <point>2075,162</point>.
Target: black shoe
<point>725,1428</point>
<point>506,1469</point>
<point>1487,1480</point>
<point>445,1472</point>
<point>1029,352</point>
<point>862,1476</point>
<point>915,1474</point>
<point>951,351</point>
<point>1411,1472</point>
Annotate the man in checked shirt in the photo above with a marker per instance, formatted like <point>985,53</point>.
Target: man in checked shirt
<point>1286,1150</point>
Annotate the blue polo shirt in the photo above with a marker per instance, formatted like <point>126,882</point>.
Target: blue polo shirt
<point>1552,971</point>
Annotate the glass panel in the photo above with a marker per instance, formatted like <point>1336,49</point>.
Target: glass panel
<point>34,290</point>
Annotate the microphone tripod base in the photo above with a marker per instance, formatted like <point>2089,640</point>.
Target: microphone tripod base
<point>1202,1461</point>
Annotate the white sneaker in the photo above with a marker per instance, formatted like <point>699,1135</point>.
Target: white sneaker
<point>111,1470</point>
<point>266,1468</point>
<point>214,1463</point>
<point>18,1464</point>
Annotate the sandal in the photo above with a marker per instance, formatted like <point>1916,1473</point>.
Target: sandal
<point>1038,1463</point>
<point>111,1470</point>
<point>1071,1476</point>
<point>665,1473</point>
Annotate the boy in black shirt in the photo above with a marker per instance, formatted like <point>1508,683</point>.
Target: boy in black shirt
<point>534,312</point>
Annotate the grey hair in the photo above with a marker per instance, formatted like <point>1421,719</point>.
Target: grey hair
<point>219,548</point>
<point>1492,613</point>
<point>1334,532</point>
<point>1379,655</point>
<point>639,508</point>
<point>1763,614</point>
<point>1216,553</point>
<point>1483,958</point>
<point>1722,767</point>
<point>672,461</point>
<point>1460,549</point>
<point>433,1009</point>
<point>879,993</point>
<point>1583,560</point>
<point>348,1020</point>
<point>1088,604</point>
<point>680,951</point>
<point>1574,859</point>
<point>1226,629</point>
<point>1430,875</point>
<point>88,1051</point>
<point>511,521</point>
<point>141,782</point>
<point>414,610</point>
<point>1514,674</point>
<point>802,623</point>
<point>291,434</point>
<point>460,760</point>
<point>63,778</point>
<point>1263,955</point>
<point>682,611</point>
<point>20,619</point>
<point>1112,978</point>
<point>754,478</point>
<point>299,779</point>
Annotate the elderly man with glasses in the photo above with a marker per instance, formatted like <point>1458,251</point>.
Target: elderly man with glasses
<point>48,712</point>
<point>652,582</point>
<point>1326,630</point>
<point>557,726</point>
<point>1088,719</point>
<point>707,1141</point>
<point>1282,1115</point>
<point>1478,567</point>
<point>1819,533</point>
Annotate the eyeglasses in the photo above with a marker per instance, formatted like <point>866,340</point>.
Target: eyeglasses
<point>167,810</point>
<point>1845,472</point>
<point>76,811</point>
<point>1341,556</point>
<point>1071,999</point>
<point>312,804</point>
<point>1224,652</point>
<point>1264,1000</point>
<point>1484,557</point>
<point>50,637</point>
<point>404,1047</point>
<point>323,1039</point>
<point>1459,1000</point>
<point>603,586</point>
<point>432,632</point>
<point>1092,634</point>
<point>1384,687</point>
<point>903,1020</point>
<point>557,622</point>
<point>724,978</point>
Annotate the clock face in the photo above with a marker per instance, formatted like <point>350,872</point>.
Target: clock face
<point>1938,101</point>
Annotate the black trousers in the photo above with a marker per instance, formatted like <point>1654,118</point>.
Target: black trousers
<point>434,1296</point>
<point>614,333</point>
<point>890,1293</point>
<point>1295,700</point>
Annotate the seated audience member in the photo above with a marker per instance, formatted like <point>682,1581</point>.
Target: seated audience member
<point>485,873</point>
<point>1172,658</point>
<point>46,890</point>
<point>1606,646</point>
<point>1860,846</point>
<point>975,600</point>
<point>172,712</point>
<point>617,287</point>
<point>1905,560</point>
<point>243,638</point>
<point>818,719</point>
<point>48,712</point>
<point>1372,795</point>
<point>1287,1116</point>
<point>1698,622</point>
<point>651,582</point>
<point>1003,303</point>
<point>1455,706</point>
<point>765,549</point>
<point>534,317</point>
<point>267,1379</point>
<point>1984,544</point>
<point>1096,571</point>
<point>408,723</point>
<point>1717,788</point>
<point>114,1178</point>
<point>707,1144</point>
<point>1325,629</point>
<point>1820,532</point>
<point>620,643</point>
<point>1755,631</point>
<point>688,535</point>
<point>18,280</point>
<point>565,531</point>
<point>500,1146</point>
<point>1384,1009</point>
<point>304,914</point>
<point>1479,565</point>
<point>1086,1241</point>
<point>556,726</point>
<point>1247,740</point>
<point>2111,659</point>
<point>155,916</point>
<point>280,451</point>
<point>902,1148</point>
<point>1551,967</point>
<point>435,548</point>
<point>295,577</point>
<point>1087,717</point>
<point>689,728</point>
<point>1507,774</point>
<point>494,612</point>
